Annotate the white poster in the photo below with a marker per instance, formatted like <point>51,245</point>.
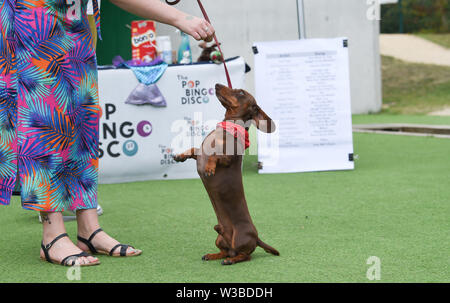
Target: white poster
<point>138,142</point>
<point>303,85</point>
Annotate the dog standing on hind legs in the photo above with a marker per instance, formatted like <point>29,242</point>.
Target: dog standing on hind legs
<point>219,164</point>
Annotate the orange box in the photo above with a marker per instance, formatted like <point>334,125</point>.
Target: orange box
<point>143,39</point>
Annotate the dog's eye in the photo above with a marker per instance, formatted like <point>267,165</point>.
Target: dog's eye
<point>241,93</point>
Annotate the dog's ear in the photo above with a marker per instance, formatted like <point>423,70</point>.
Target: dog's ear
<point>263,121</point>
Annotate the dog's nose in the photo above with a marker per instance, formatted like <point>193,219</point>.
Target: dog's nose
<point>219,86</point>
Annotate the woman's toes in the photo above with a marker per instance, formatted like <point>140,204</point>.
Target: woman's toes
<point>81,261</point>
<point>132,251</point>
<point>92,259</point>
<point>74,262</point>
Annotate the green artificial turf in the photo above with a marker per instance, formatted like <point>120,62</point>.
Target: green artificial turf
<point>394,205</point>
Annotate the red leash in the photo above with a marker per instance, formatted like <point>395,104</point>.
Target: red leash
<point>205,15</point>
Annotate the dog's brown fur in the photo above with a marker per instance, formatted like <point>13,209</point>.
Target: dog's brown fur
<point>221,174</point>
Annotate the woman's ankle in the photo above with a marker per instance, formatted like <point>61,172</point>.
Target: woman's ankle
<point>52,225</point>
<point>87,220</point>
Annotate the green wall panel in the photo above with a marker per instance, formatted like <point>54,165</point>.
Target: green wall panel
<point>115,33</point>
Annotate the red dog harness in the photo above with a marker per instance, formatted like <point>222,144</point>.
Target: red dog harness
<point>237,131</point>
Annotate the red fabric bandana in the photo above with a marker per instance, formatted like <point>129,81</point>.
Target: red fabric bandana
<point>237,131</point>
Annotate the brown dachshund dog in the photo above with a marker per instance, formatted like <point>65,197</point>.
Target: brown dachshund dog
<point>219,164</point>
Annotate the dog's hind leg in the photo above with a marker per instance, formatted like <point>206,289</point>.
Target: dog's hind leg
<point>189,154</point>
<point>222,244</point>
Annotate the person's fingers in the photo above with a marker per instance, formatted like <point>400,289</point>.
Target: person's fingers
<point>200,29</point>
<point>202,33</point>
<point>196,36</point>
<point>208,39</point>
<point>209,30</point>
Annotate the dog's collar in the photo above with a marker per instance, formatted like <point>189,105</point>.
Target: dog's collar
<point>238,131</point>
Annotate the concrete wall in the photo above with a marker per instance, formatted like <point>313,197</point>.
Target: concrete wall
<point>240,23</point>
<point>335,18</point>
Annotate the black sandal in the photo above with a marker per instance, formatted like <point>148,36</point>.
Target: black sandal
<point>69,260</point>
<point>93,250</point>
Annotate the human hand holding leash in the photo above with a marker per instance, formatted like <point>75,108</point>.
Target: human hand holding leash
<point>205,15</point>
<point>198,28</point>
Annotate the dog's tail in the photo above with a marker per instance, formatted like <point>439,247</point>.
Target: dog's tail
<point>267,248</point>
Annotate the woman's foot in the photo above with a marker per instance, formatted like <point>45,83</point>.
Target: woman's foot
<point>53,227</point>
<point>102,242</point>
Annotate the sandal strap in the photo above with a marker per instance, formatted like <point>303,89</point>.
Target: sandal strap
<point>94,234</point>
<point>74,258</point>
<point>88,242</point>
<point>123,249</point>
<point>47,247</point>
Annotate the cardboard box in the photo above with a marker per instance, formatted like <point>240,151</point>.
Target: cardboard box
<point>143,40</point>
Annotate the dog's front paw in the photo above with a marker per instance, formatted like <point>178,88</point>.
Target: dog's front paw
<point>217,256</point>
<point>179,158</point>
<point>210,171</point>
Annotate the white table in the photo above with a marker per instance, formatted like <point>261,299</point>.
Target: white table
<point>137,142</point>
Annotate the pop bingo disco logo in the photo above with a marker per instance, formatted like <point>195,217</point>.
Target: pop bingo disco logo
<point>167,155</point>
<point>196,128</point>
<point>121,135</point>
<point>194,92</point>
<point>193,129</point>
